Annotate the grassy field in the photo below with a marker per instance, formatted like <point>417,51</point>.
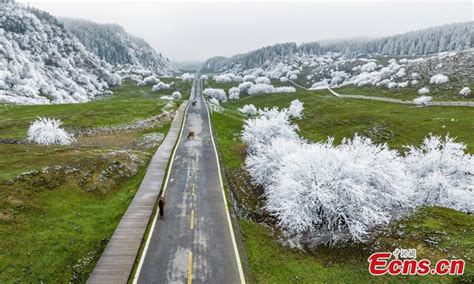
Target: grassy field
<point>326,115</point>
<point>439,93</point>
<point>55,223</point>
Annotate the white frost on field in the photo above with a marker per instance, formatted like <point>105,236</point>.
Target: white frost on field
<point>218,94</point>
<point>424,91</point>
<point>234,93</point>
<point>465,92</point>
<point>248,109</point>
<point>48,131</point>
<point>422,100</point>
<point>439,79</point>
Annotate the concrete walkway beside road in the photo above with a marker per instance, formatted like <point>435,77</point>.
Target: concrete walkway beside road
<point>117,261</point>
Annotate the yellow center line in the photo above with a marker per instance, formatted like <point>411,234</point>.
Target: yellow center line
<point>190,267</point>
<point>191,224</point>
<point>194,191</point>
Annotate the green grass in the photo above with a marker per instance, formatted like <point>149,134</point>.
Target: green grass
<point>439,93</point>
<point>61,228</point>
<point>271,262</point>
<point>54,228</point>
<point>328,116</point>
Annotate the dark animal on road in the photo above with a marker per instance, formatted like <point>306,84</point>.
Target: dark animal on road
<point>191,135</point>
<point>194,103</point>
<point>161,206</point>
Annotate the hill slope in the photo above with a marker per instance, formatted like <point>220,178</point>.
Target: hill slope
<point>453,37</point>
<point>43,63</point>
<point>111,43</point>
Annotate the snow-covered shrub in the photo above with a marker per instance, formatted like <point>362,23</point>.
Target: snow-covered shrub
<point>270,123</point>
<point>176,95</point>
<point>439,79</point>
<point>422,100</point>
<point>283,79</point>
<point>424,91</point>
<point>296,108</point>
<point>338,192</point>
<point>284,89</point>
<point>149,81</point>
<point>245,86</point>
<point>465,91</point>
<point>392,85</point>
<point>249,78</point>
<point>204,77</point>
<point>187,77</point>
<point>218,94</point>
<point>265,88</point>
<point>368,67</point>
<point>443,173</point>
<point>226,78</point>
<point>167,98</point>
<point>293,77</point>
<point>338,77</point>
<point>214,105</point>
<point>47,131</point>
<point>234,93</point>
<point>250,110</point>
<point>260,88</point>
<point>160,86</point>
<point>263,80</point>
<point>319,85</point>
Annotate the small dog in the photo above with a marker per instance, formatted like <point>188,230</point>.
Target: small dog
<point>191,135</point>
<point>161,206</point>
<point>194,103</point>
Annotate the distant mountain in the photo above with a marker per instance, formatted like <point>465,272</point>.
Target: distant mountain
<point>41,62</point>
<point>453,37</point>
<point>113,44</point>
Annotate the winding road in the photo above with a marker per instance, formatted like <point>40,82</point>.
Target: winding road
<point>194,242</point>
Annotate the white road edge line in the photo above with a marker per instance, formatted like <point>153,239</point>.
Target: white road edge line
<point>234,243</point>
<point>150,233</point>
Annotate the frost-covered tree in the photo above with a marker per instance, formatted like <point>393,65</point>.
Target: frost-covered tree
<point>465,92</point>
<point>439,79</point>
<point>295,110</point>
<point>48,131</point>
<point>176,95</point>
<point>41,62</point>
<point>422,100</point>
<point>160,86</point>
<point>113,44</point>
<point>443,173</point>
<point>249,110</point>
<point>218,94</point>
<point>234,93</point>
<point>339,192</point>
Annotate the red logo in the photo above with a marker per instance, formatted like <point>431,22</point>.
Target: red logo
<point>381,263</point>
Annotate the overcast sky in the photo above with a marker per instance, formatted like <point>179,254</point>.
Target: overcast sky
<point>199,30</point>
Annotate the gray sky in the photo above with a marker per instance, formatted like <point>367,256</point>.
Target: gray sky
<point>199,30</point>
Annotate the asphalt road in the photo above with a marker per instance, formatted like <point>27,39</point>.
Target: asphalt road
<point>194,242</point>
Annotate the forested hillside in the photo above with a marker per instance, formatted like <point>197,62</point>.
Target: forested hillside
<point>43,63</point>
<point>453,37</point>
<point>113,44</point>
